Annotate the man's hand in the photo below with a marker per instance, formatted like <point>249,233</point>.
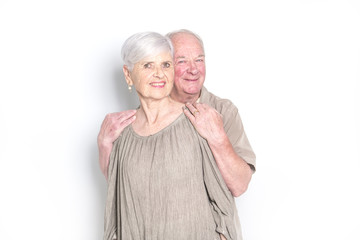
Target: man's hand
<point>209,124</point>
<point>207,121</point>
<point>111,128</point>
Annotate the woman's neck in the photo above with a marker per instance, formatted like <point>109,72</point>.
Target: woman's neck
<point>152,110</point>
<point>154,115</point>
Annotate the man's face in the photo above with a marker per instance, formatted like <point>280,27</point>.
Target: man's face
<point>189,60</point>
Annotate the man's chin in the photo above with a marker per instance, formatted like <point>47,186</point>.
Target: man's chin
<point>193,90</point>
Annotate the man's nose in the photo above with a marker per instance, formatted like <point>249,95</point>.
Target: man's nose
<point>193,69</point>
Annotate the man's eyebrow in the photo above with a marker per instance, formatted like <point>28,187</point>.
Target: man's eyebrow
<point>201,55</point>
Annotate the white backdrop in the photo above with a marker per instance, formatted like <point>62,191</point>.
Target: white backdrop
<point>291,67</point>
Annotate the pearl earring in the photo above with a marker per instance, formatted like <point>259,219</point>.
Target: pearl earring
<point>129,87</point>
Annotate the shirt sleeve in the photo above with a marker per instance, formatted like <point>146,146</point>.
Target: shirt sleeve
<point>234,129</point>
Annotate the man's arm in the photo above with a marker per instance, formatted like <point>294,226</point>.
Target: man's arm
<point>235,171</point>
<point>111,128</point>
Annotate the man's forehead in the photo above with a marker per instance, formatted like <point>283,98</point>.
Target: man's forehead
<point>185,41</point>
<point>187,46</point>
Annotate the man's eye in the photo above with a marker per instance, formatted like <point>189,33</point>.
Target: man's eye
<point>199,60</point>
<point>180,61</point>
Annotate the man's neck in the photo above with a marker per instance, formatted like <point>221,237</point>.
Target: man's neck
<point>184,97</point>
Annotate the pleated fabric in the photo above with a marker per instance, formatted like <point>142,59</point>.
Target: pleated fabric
<point>167,186</point>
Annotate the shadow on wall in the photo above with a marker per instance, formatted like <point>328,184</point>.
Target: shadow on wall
<point>100,187</point>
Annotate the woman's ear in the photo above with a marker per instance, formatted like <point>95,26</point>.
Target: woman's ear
<point>127,74</point>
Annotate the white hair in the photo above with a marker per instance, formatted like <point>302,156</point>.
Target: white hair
<point>142,45</point>
<point>174,33</point>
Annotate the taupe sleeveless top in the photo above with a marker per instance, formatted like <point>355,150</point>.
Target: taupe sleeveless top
<point>167,186</point>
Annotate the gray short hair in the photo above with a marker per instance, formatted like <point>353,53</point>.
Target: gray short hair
<point>144,44</point>
<point>173,33</point>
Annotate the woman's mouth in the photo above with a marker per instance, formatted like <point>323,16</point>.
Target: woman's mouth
<point>157,84</point>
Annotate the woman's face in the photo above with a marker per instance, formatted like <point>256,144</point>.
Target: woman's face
<point>152,77</point>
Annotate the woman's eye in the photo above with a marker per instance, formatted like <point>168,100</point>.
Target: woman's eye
<point>166,65</point>
<point>147,65</point>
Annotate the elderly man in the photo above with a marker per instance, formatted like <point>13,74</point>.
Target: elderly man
<point>217,120</point>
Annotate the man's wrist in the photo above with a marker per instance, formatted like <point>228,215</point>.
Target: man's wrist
<point>104,144</point>
<point>218,140</point>
<point>104,156</point>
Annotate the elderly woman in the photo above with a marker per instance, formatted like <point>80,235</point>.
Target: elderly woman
<point>163,182</point>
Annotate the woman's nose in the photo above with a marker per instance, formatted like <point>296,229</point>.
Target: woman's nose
<point>159,72</point>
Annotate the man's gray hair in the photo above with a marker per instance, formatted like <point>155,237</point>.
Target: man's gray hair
<point>173,33</point>
<point>142,45</point>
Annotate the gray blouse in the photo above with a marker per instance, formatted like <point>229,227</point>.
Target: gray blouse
<point>167,186</point>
